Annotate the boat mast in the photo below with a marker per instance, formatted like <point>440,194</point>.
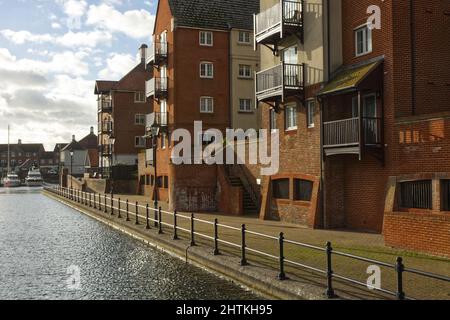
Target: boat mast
<point>9,168</point>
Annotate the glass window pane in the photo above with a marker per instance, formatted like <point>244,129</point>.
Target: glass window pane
<point>280,189</point>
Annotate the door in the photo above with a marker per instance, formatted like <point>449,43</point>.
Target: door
<point>163,75</point>
<point>163,42</point>
<point>370,119</point>
<point>291,67</point>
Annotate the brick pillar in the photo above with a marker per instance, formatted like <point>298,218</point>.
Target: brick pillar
<point>436,187</point>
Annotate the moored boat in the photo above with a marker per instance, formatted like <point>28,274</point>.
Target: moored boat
<point>11,181</point>
<point>34,178</point>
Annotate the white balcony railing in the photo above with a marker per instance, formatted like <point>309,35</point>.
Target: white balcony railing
<point>156,87</point>
<point>275,80</point>
<point>157,52</point>
<point>150,87</point>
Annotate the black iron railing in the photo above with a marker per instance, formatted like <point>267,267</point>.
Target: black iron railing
<point>110,205</point>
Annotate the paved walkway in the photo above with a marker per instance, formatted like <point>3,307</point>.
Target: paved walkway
<point>361,244</point>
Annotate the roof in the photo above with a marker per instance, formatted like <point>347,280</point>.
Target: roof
<point>89,142</point>
<point>24,147</point>
<point>104,86</point>
<point>93,159</point>
<point>214,14</point>
<point>348,79</point>
<point>73,146</point>
<point>60,146</point>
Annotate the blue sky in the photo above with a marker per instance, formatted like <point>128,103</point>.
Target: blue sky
<point>51,53</point>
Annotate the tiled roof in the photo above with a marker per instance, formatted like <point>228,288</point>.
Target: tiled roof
<point>89,142</point>
<point>73,146</point>
<point>214,14</point>
<point>103,86</point>
<point>27,147</point>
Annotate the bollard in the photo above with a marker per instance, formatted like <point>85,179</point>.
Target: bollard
<point>282,275</point>
<point>118,204</point>
<point>136,209</point>
<point>192,231</point>
<point>90,200</point>
<point>112,204</point>
<point>216,237</point>
<point>156,217</point>
<point>128,211</point>
<point>106,205</point>
<point>146,213</point>
<point>400,268</point>
<point>175,228</point>
<point>160,230</point>
<point>243,246</point>
<point>330,291</point>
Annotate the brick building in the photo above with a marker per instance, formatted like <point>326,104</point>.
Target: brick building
<point>122,107</point>
<point>204,63</point>
<point>20,154</point>
<point>363,116</point>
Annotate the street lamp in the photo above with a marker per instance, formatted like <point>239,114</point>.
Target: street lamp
<point>155,133</point>
<point>71,171</point>
<point>112,140</point>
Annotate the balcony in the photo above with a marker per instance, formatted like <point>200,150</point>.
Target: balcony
<point>280,82</point>
<point>157,88</point>
<point>149,157</point>
<point>156,119</point>
<point>157,54</point>
<point>344,136</point>
<point>106,127</point>
<point>105,150</point>
<point>282,20</point>
<point>104,106</point>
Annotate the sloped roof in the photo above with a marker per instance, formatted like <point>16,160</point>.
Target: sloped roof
<point>27,147</point>
<point>73,146</point>
<point>89,142</point>
<point>59,147</point>
<point>214,14</point>
<point>104,86</point>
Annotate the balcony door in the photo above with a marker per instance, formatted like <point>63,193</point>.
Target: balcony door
<point>163,42</point>
<point>163,108</point>
<point>291,74</point>
<point>370,119</point>
<point>163,75</point>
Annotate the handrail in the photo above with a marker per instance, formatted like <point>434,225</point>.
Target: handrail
<point>104,202</point>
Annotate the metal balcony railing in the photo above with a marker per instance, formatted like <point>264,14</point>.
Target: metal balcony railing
<point>159,119</point>
<point>149,156</point>
<point>104,106</point>
<point>346,132</point>
<point>277,80</point>
<point>157,53</point>
<point>106,127</point>
<point>157,88</point>
<point>282,19</point>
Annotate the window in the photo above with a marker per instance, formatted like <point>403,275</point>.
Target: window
<point>139,142</point>
<point>245,105</point>
<point>445,195</point>
<point>139,119</point>
<point>244,37</point>
<point>166,182</point>
<point>416,194</point>
<point>310,106</point>
<point>206,105</point>
<point>273,119</point>
<point>206,38</point>
<point>280,189</point>
<point>245,71</point>
<point>291,118</point>
<point>139,97</point>
<point>206,70</point>
<point>363,41</point>
<point>303,190</point>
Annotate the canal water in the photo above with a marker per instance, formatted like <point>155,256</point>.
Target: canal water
<point>49,251</point>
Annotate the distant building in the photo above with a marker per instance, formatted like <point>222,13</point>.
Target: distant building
<point>20,154</point>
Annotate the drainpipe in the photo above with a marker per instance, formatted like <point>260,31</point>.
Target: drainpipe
<point>230,78</point>
<point>413,57</point>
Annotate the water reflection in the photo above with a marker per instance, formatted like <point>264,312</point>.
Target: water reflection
<point>40,239</point>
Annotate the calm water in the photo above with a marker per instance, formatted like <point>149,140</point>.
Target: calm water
<point>40,239</point>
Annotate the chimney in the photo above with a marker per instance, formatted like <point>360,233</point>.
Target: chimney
<point>73,137</point>
<point>19,142</point>
<point>143,52</point>
<point>92,130</point>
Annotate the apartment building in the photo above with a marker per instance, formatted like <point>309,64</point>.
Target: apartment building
<point>20,154</point>
<point>122,108</point>
<point>363,116</point>
<point>204,62</point>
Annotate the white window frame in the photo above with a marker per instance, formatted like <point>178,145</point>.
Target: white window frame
<point>205,43</point>
<point>248,103</point>
<point>366,39</point>
<point>140,94</point>
<point>273,120</point>
<point>247,71</point>
<point>207,110</point>
<point>139,119</point>
<point>310,110</point>
<point>207,75</point>
<point>243,40</point>
<point>141,140</point>
<point>294,125</point>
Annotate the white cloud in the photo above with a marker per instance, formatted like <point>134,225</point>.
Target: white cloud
<point>134,23</point>
<point>117,66</point>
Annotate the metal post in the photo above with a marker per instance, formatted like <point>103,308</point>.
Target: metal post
<point>137,209</point>
<point>156,215</point>
<point>330,291</point>
<point>112,204</point>
<point>400,268</point>
<point>106,205</point>
<point>192,231</point>
<point>90,200</point>
<point>175,227</point>
<point>95,201</point>
<point>216,237</point>
<point>118,205</point>
<point>243,246</point>
<point>282,275</point>
<point>146,212</point>
<point>128,211</point>
<point>160,230</point>
<point>99,202</point>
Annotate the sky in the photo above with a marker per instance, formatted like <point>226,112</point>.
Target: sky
<point>51,53</point>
